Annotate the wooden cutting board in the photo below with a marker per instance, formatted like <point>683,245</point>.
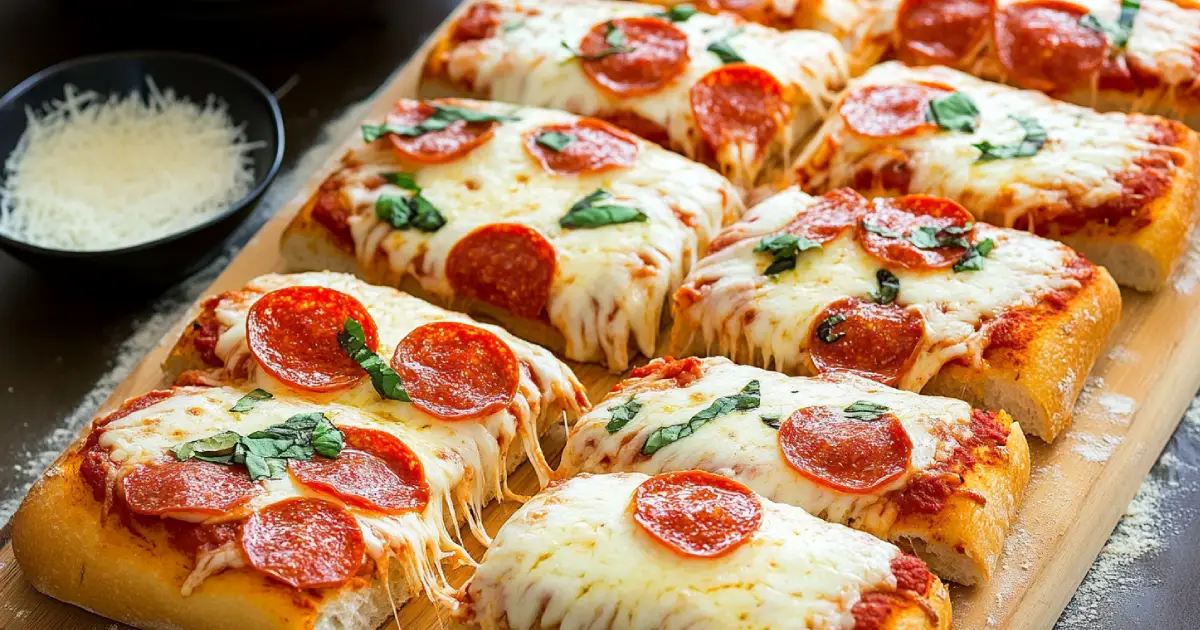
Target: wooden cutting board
<point>1080,486</point>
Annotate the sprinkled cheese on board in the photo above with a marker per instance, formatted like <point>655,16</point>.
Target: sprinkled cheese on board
<point>94,173</point>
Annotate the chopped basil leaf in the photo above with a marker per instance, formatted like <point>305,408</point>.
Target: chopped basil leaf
<point>385,380</point>
<point>864,410</point>
<point>771,420</point>
<point>614,37</point>
<point>620,415</point>
<point>747,398</point>
<point>1118,33</point>
<point>443,116</point>
<point>926,237</point>
<point>554,140</point>
<point>1035,137</point>
<point>590,213</point>
<point>246,403</point>
<point>265,453</point>
<point>677,13</point>
<point>973,259</point>
<point>402,180</point>
<point>889,287</point>
<point>783,249</point>
<point>512,26</point>
<point>213,445</point>
<point>825,328</point>
<point>953,112</point>
<point>871,227</point>
<point>404,212</point>
<point>724,50</point>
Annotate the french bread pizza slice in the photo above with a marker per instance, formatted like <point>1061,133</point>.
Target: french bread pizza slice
<point>909,291</point>
<point>694,550</point>
<point>929,474</point>
<point>570,231</point>
<point>730,93</point>
<point>312,468</point>
<point>1120,188</point>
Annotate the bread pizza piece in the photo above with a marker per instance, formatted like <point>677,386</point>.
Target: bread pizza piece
<point>929,474</point>
<point>1112,55</point>
<point>864,27</point>
<point>1120,188</point>
<point>690,550</point>
<point>908,291</point>
<point>732,94</point>
<point>570,231</point>
<point>288,334</point>
<point>229,507</point>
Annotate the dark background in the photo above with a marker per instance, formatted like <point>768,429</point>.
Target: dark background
<point>57,340</point>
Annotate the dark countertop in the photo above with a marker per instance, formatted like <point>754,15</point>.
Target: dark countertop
<point>56,343</point>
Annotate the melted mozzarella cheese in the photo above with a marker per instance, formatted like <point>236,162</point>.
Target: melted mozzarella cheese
<point>1076,168</point>
<point>526,62</point>
<point>757,460</point>
<point>573,558</point>
<point>766,319</point>
<point>546,383</point>
<point>456,461</point>
<point>608,293</point>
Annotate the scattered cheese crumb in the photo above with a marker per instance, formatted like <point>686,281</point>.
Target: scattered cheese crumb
<point>94,173</point>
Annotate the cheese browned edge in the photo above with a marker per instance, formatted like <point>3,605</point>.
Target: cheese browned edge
<point>68,551</point>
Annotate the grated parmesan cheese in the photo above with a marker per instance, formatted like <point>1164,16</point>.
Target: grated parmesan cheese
<point>93,173</point>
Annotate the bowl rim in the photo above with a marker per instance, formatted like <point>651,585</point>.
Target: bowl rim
<point>276,162</point>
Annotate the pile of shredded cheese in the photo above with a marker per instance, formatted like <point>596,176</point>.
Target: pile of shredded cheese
<point>94,173</point>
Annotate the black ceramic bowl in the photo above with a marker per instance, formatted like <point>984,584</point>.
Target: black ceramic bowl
<point>162,261</point>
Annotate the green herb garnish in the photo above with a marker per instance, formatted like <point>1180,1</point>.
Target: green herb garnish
<point>889,287</point>
<point>677,13</point>
<point>265,453</point>
<point>614,37</point>
<point>1035,137</point>
<point>554,140</point>
<point>246,403</point>
<point>747,398</point>
<point>973,259</point>
<point>443,116</point>
<point>953,112</point>
<point>385,380</point>
<point>590,212</point>
<point>414,211</point>
<point>620,415</point>
<point>771,420</point>
<point>825,328</point>
<point>724,51</point>
<point>864,410</point>
<point>783,249</point>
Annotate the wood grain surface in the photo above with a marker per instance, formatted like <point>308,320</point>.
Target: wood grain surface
<point>1070,507</point>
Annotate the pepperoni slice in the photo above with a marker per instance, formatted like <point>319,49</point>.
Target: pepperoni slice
<point>1044,46</point>
<point>855,456</point>
<point>639,126</point>
<point>456,371</point>
<point>508,265</point>
<point>887,231</point>
<point>292,333</point>
<point>134,405</point>
<point>657,53</point>
<point>833,212</point>
<point>941,31</point>
<point>594,146</point>
<point>696,513</point>
<point>305,543</point>
<point>738,104</point>
<point>479,22</point>
<point>884,111</point>
<point>187,486</point>
<point>433,147</point>
<point>876,341</point>
<point>376,471</point>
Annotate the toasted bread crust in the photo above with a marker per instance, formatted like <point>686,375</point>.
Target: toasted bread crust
<point>1039,381</point>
